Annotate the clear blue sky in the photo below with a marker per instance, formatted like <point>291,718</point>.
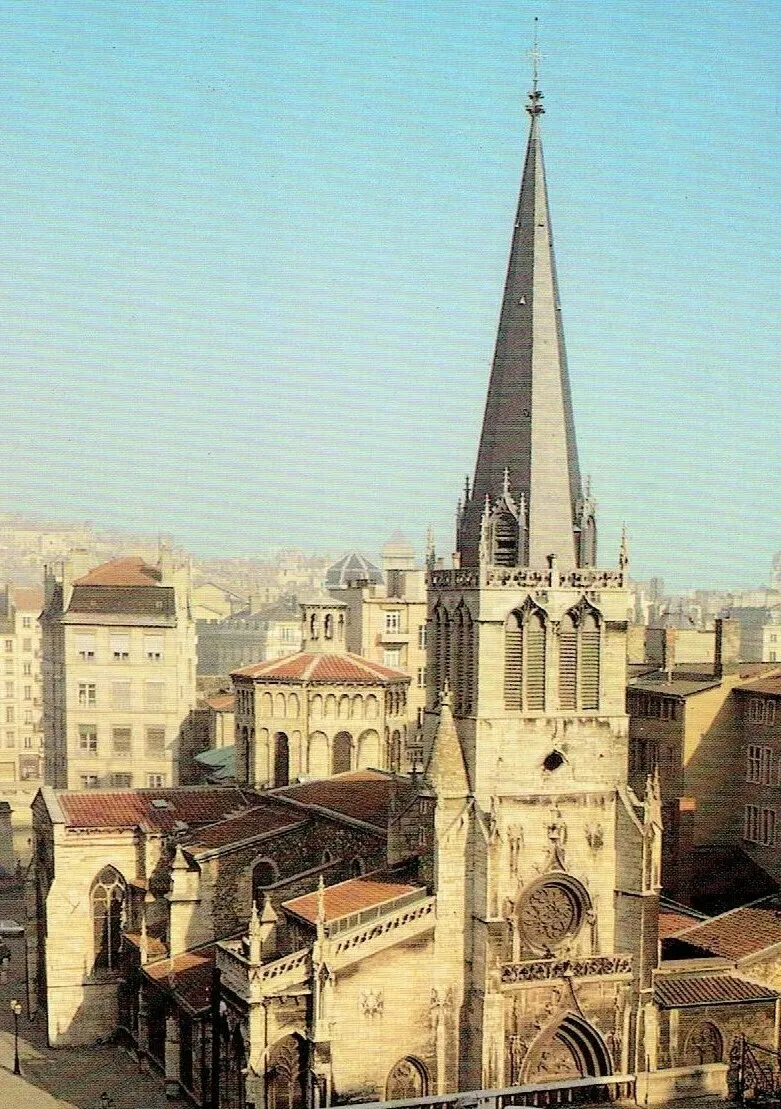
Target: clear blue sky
<point>252,255</point>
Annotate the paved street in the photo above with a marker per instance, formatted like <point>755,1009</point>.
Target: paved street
<point>65,1079</point>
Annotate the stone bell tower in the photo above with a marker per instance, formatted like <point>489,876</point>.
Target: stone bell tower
<point>527,643</point>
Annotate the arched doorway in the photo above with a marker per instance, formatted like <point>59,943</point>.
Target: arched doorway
<point>281,759</point>
<point>572,1049</point>
<point>341,760</point>
<point>285,1074</point>
<point>407,1079</point>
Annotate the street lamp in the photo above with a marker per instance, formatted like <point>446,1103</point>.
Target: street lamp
<point>16,1009</point>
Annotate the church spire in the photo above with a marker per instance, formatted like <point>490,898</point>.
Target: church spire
<point>528,429</point>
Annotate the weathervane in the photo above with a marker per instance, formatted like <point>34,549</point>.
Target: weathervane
<point>534,107</point>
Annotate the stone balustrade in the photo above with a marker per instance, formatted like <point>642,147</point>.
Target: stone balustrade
<point>586,578</point>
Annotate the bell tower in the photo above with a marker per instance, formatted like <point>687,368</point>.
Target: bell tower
<point>527,649</point>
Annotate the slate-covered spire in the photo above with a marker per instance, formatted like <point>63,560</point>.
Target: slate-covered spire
<point>528,428</point>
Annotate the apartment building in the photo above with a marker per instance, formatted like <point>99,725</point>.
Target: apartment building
<point>118,645</point>
<point>759,711</point>
<point>386,623</point>
<point>21,712</point>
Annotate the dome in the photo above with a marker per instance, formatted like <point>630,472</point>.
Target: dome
<point>352,568</point>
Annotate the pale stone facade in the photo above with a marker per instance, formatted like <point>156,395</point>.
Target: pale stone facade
<point>387,623</point>
<point>322,711</point>
<point>118,673</point>
<point>21,711</point>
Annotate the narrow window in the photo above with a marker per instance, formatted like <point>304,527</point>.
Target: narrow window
<point>568,663</point>
<point>589,662</point>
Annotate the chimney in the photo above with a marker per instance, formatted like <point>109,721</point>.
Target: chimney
<point>668,652</point>
<point>718,649</point>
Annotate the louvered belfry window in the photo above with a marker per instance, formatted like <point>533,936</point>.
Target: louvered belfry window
<point>513,663</point>
<point>463,661</point>
<point>535,662</point>
<point>442,650</point>
<point>568,663</point>
<point>589,662</point>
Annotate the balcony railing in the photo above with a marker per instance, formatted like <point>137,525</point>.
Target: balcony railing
<point>573,1091</point>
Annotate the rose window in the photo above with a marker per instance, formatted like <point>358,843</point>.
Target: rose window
<point>549,913</point>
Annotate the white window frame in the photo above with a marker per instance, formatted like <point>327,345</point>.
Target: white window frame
<point>393,621</point>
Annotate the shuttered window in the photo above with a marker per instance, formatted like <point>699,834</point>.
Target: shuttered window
<point>568,664</point>
<point>535,663</point>
<point>589,663</point>
<point>513,663</point>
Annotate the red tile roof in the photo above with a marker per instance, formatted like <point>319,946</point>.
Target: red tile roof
<point>740,932</point>
<point>128,808</point>
<point>257,821</point>
<point>672,922</point>
<point>187,976</point>
<point>326,668</point>
<point>682,993</point>
<point>361,794</point>
<point>221,702</point>
<point>121,571</point>
<point>349,897</point>
<point>28,600</point>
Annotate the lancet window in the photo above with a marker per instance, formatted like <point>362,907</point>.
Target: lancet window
<point>579,660</point>
<point>107,902</point>
<point>524,661</point>
<point>441,648</point>
<point>462,677</point>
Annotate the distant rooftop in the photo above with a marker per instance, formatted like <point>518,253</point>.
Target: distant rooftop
<point>352,568</point>
<point>131,570</point>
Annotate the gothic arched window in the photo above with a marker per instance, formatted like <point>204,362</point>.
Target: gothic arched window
<point>535,662</point>
<point>704,1044</point>
<point>568,663</point>
<point>504,539</point>
<point>107,901</point>
<point>462,662</point>
<point>589,662</point>
<point>407,1079</point>
<point>513,662</point>
<point>441,649</point>
<point>524,661</point>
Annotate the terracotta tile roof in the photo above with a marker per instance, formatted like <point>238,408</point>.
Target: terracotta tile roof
<point>121,571</point>
<point>309,667</point>
<point>128,808</point>
<point>349,897</point>
<point>671,922</point>
<point>740,932</point>
<point>155,945</point>
<point>681,993</point>
<point>257,821</point>
<point>221,702</point>
<point>28,600</point>
<point>187,976</point>
<point>361,794</point>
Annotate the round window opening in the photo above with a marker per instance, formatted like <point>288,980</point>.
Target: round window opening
<point>551,912</point>
<point>553,761</point>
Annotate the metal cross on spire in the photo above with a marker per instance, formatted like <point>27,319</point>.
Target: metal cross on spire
<point>534,107</point>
